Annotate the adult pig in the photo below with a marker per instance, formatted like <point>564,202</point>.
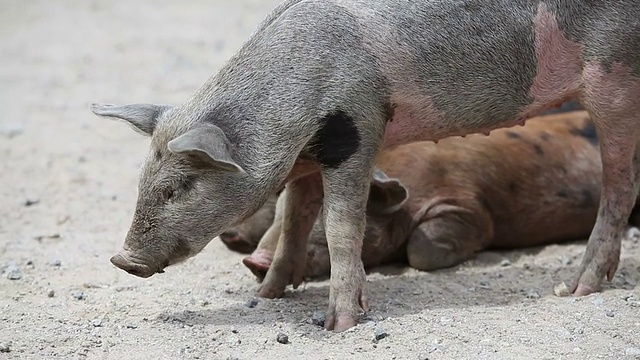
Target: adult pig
<point>322,85</point>
<point>519,187</point>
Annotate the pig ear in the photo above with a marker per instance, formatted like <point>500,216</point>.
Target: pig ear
<point>142,117</point>
<point>206,142</point>
<point>386,195</point>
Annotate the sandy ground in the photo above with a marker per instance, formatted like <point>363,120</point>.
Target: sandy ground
<point>68,189</point>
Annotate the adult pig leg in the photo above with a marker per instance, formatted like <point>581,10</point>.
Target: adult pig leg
<point>448,235</point>
<point>611,97</point>
<point>302,202</point>
<point>346,189</point>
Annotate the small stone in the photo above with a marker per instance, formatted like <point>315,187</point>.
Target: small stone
<point>56,263</point>
<point>282,338</point>
<point>13,272</point>
<point>251,303</point>
<point>561,290</point>
<point>79,295</point>
<point>633,233</point>
<point>505,262</point>
<point>4,348</point>
<point>632,351</point>
<point>29,263</point>
<point>484,283</point>
<point>598,301</point>
<point>609,313</point>
<point>30,202</point>
<point>565,260</point>
<point>51,293</point>
<point>96,322</point>
<point>533,294</point>
<point>380,334</point>
<point>318,318</point>
<point>132,326</point>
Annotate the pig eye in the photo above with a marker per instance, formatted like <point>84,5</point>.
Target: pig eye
<point>170,193</point>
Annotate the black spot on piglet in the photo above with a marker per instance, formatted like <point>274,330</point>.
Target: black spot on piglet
<point>588,131</point>
<point>513,135</point>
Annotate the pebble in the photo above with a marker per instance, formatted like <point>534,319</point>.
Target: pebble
<point>13,272</point>
<point>633,233</point>
<point>565,260</point>
<point>505,262</point>
<point>561,290</point>
<point>632,351</point>
<point>609,313</point>
<point>598,301</point>
<point>80,295</point>
<point>380,334</point>
<point>251,303</point>
<point>96,322</point>
<point>4,348</point>
<point>56,263</point>
<point>30,202</point>
<point>282,338</point>
<point>318,318</point>
<point>533,294</point>
<point>51,293</point>
<point>132,326</point>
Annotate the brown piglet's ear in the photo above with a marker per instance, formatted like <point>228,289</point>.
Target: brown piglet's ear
<point>386,195</point>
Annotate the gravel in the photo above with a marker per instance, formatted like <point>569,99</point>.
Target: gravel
<point>282,338</point>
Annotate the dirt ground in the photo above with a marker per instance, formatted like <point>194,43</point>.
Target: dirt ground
<point>68,190</point>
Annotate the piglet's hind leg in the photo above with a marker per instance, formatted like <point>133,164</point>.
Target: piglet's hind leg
<point>303,199</point>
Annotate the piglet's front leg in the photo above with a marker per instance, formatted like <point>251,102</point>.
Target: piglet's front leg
<point>302,202</point>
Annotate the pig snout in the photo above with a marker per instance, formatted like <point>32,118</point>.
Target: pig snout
<point>133,265</point>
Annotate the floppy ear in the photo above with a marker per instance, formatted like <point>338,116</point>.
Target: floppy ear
<point>142,117</point>
<point>386,195</point>
<point>208,143</point>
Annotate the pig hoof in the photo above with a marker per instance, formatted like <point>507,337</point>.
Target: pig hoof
<point>584,290</point>
<point>270,293</point>
<point>258,267</point>
<point>341,323</point>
